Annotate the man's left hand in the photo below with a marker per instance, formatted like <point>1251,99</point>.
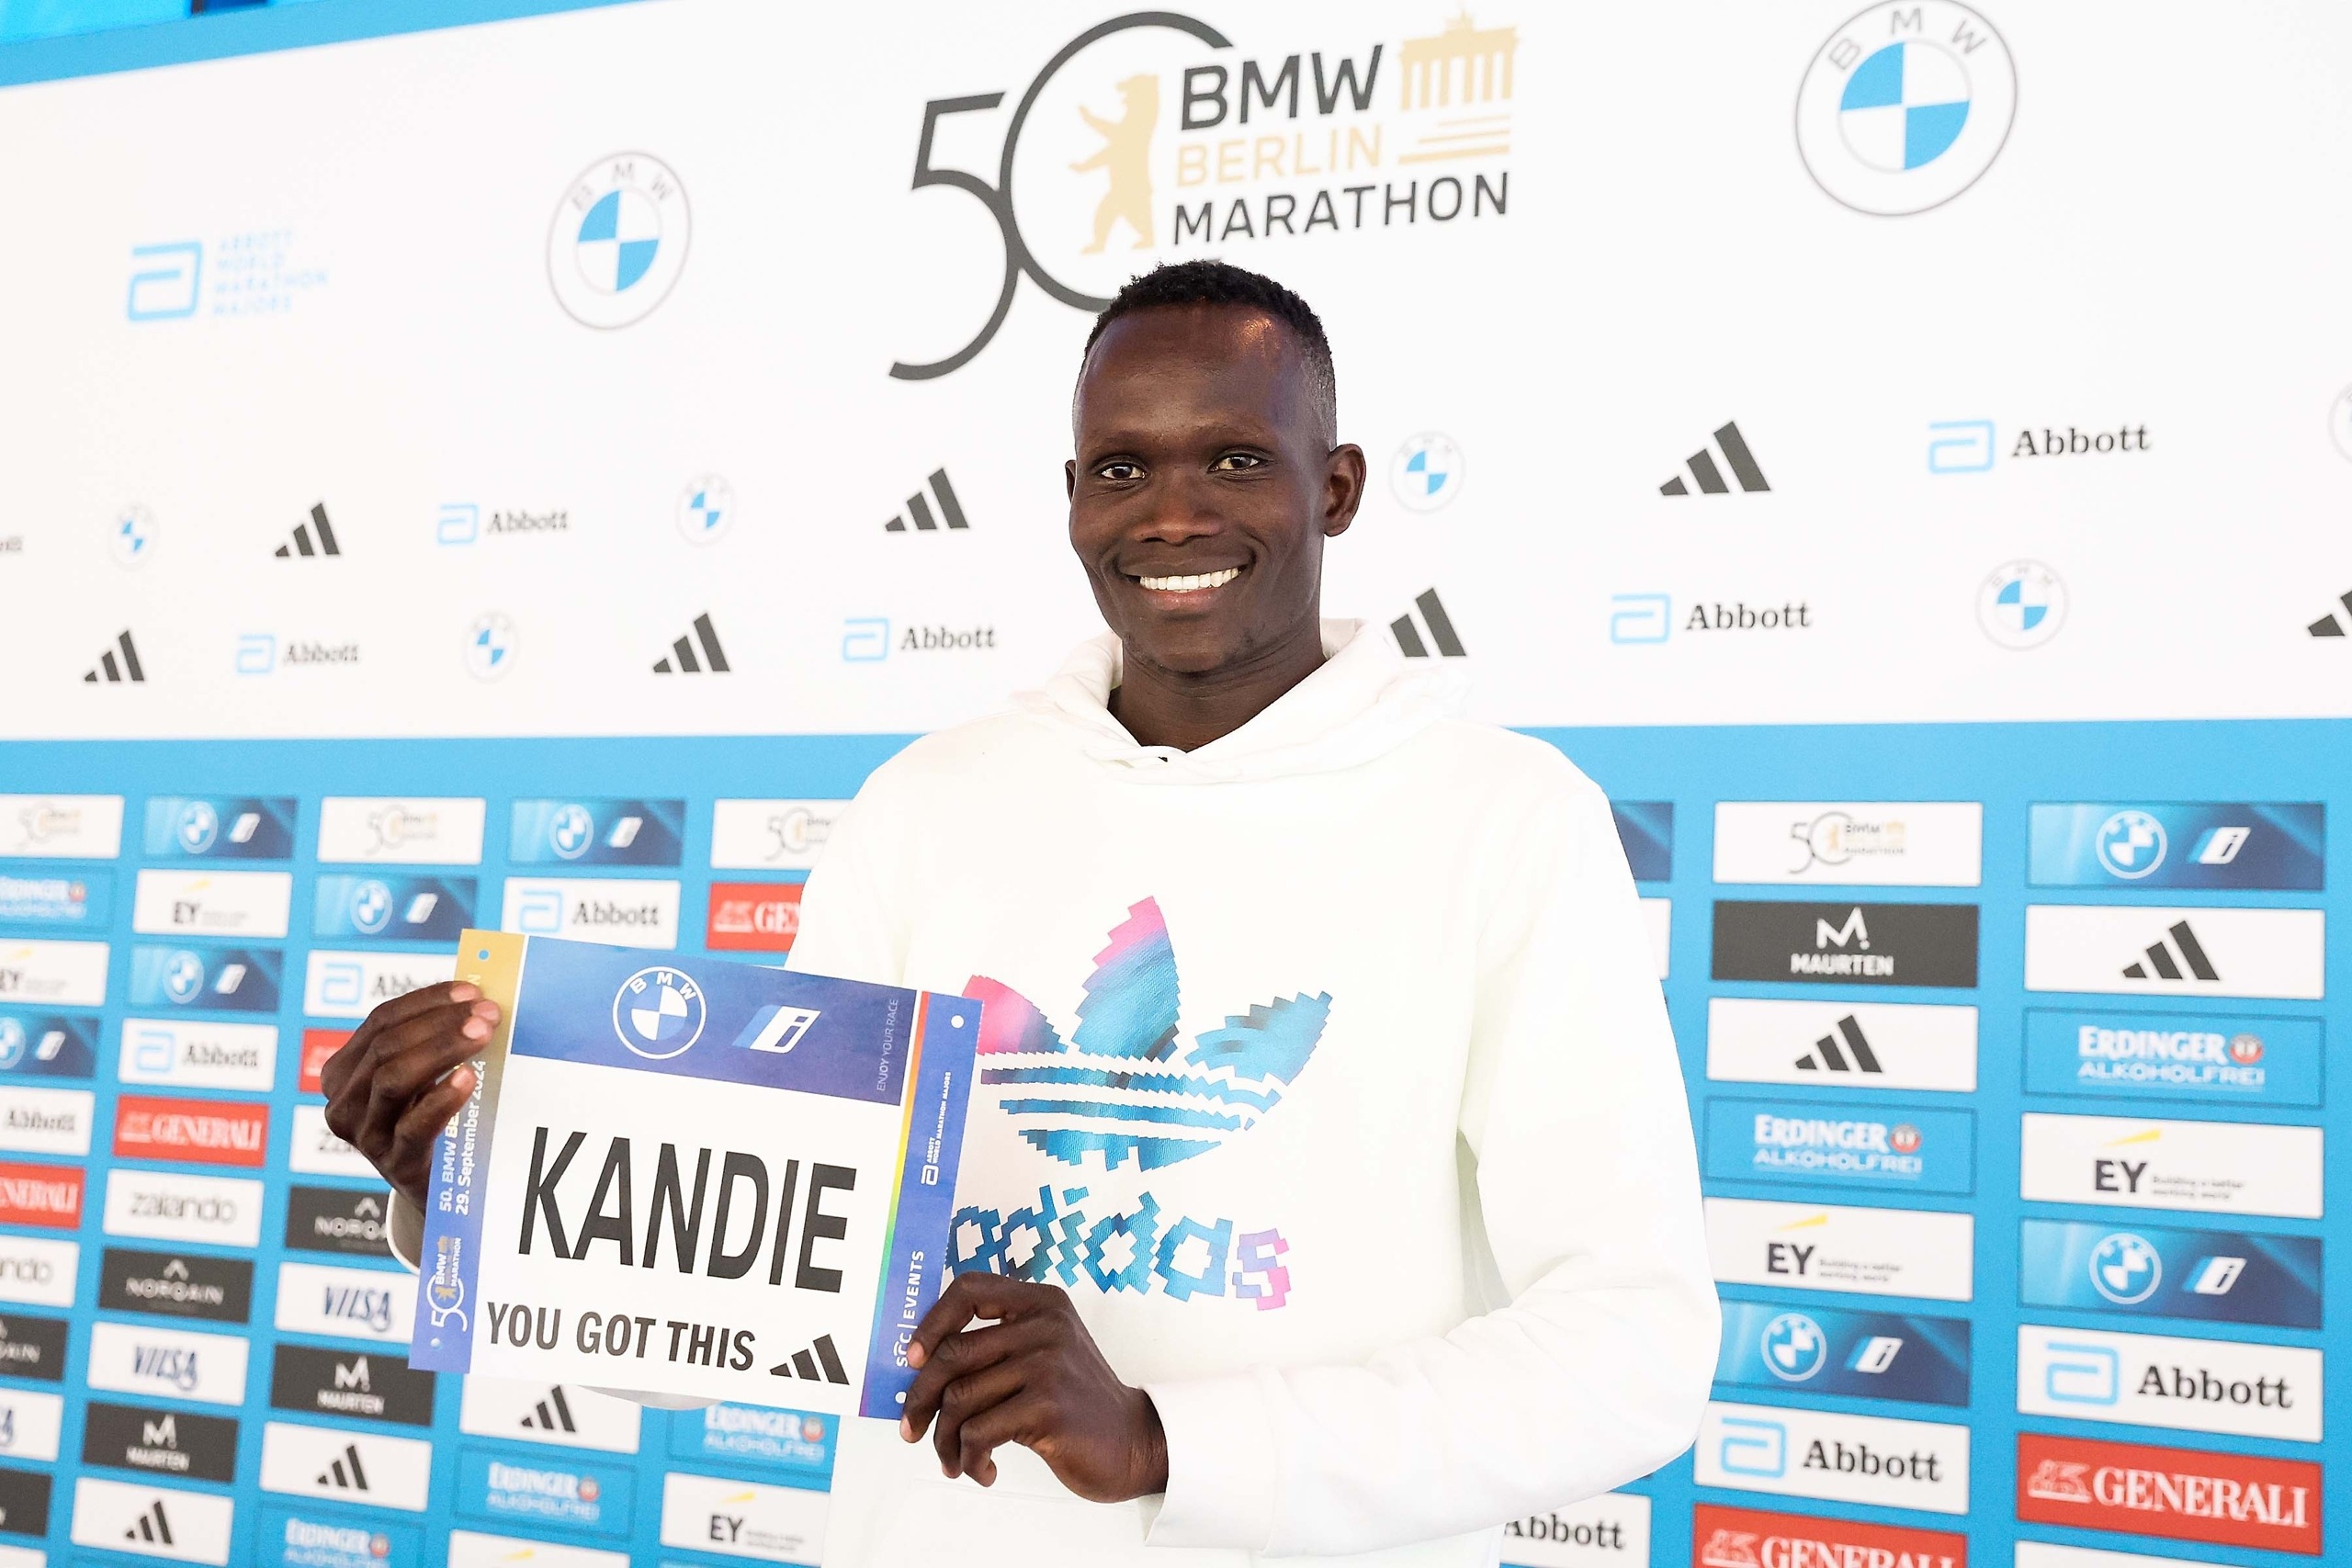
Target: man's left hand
<point>1033,1377</point>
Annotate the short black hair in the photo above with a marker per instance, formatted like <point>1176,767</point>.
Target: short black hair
<point>1221,282</point>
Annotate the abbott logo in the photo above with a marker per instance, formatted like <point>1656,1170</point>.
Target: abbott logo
<point>1753,1448</point>
<point>2076,1373</point>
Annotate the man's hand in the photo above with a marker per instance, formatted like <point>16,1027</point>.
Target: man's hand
<point>1033,1378</point>
<point>391,1089</point>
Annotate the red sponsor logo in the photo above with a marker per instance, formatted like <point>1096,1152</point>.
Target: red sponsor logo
<point>207,1132</point>
<point>2181,1493</point>
<point>318,1044</point>
<point>1743,1538</point>
<point>755,917</point>
<point>41,1195</point>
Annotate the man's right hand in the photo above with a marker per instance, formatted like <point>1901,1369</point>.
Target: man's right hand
<point>403,1074</point>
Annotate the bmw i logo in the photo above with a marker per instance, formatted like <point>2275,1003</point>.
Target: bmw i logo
<point>1905,105</point>
<point>618,239</point>
<point>658,1013</point>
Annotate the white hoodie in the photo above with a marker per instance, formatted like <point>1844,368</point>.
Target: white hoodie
<point>1327,1069</point>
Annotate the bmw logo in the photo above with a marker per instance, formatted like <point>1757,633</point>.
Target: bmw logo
<point>371,906</point>
<point>1426,472</point>
<point>618,239</point>
<point>2131,844</point>
<point>658,1013</point>
<point>1794,1347</point>
<point>182,976</point>
<point>490,647</point>
<point>570,832</point>
<point>1905,105</point>
<point>2021,605</point>
<point>2125,1269</point>
<point>131,539</point>
<point>706,510</point>
<point>12,1043</point>
<point>198,826</point>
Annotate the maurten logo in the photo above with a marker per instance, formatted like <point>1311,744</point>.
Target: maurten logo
<point>1857,1057</point>
<point>1709,477</point>
<point>618,239</point>
<point>1905,105</point>
<point>117,664</point>
<point>1105,1091</point>
<point>658,1013</point>
<point>315,538</point>
<point>681,660</point>
<point>2167,957</point>
<point>1441,629</point>
<point>951,510</point>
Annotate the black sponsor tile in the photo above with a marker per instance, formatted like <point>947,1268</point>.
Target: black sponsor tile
<point>176,1284</point>
<point>1846,944</point>
<point>160,1443</point>
<point>337,1219</point>
<point>24,1503</point>
<point>370,1385</point>
<point>32,1347</point>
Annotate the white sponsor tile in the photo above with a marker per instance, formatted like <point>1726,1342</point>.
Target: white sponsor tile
<point>400,829</point>
<point>1874,843</point>
<point>2154,1380</point>
<point>1659,915</point>
<point>378,1304</point>
<point>2041,1554</point>
<point>341,1465</point>
<point>29,1424</point>
<point>58,974</point>
<point>472,1548</point>
<point>153,1521</point>
<point>168,1363</point>
<point>198,1053</point>
<point>1904,1045</point>
<point>46,1121</point>
<point>61,827</point>
<point>1613,1527</point>
<point>564,1414</point>
<point>23,1557</point>
<point>2147,949</point>
<point>165,1205</point>
<point>1843,1458</point>
<point>771,835</point>
<point>349,985</point>
<point>742,1518</point>
<point>619,912</point>
<point>2221,1168</point>
<point>37,1273</point>
<point>1830,1247</point>
<point>316,1151</point>
<point>212,903</point>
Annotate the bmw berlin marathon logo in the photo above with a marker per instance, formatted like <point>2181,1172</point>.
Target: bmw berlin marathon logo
<point>1905,105</point>
<point>618,239</point>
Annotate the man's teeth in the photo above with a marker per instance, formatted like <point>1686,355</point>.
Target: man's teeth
<point>1188,584</point>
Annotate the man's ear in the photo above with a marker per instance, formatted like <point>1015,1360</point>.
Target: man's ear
<point>1342,489</point>
<point>1070,479</point>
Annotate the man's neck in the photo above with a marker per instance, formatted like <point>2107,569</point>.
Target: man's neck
<point>1185,712</point>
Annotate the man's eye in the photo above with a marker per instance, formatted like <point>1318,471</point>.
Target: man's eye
<point>1234,462</point>
<point>1119,473</point>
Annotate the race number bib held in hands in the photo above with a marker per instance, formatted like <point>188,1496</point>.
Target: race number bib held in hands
<point>694,1177</point>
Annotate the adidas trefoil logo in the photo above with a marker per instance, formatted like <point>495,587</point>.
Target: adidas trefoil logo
<point>1441,629</point>
<point>114,671</point>
<point>1123,1087</point>
<point>2167,959</point>
<point>680,658</point>
<point>1709,477</point>
<point>306,543</point>
<point>951,510</point>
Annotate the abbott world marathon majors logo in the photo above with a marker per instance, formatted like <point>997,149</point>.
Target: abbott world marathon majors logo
<point>1905,105</point>
<point>618,239</point>
<point>1154,136</point>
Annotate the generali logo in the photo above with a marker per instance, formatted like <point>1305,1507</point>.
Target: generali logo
<point>48,1195</point>
<point>318,1044</point>
<point>1743,1538</point>
<point>2181,1493</point>
<point>204,1132</point>
<point>759,917</point>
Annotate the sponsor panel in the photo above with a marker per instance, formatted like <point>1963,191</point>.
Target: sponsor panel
<point>2230,1056</point>
<point>2042,1554</point>
<point>632,913</point>
<point>2150,1380</point>
<point>316,1151</point>
<point>596,832</point>
<point>367,1385</point>
<point>346,1304</point>
<point>202,1132</point>
<point>1844,1459</point>
<point>176,1284</point>
<point>61,827</point>
<point>1798,1141</point>
<point>209,979</point>
<point>29,1424</point>
<point>86,898</point>
<point>289,1538</point>
<point>2153,951</point>
<point>24,1507</point>
<point>32,1347</point>
<point>53,973</point>
<point>474,1549</point>
<point>153,1521</point>
<point>571,1494</point>
<point>1919,843</point>
<point>371,1470</point>
<point>1881,1252</point>
<point>46,1195</point>
<point>318,1044</point>
<point>742,1518</point>
<point>169,1205</point>
<point>752,916</point>
<point>391,909</point>
<point>340,984</point>
<point>1846,944</point>
<point>171,1364</point>
<point>561,1413</point>
<point>2227,1499</point>
<point>401,831</point>
<point>2159,1271</point>
<point>198,1053</point>
<point>771,835</point>
<point>166,1442</point>
<point>1611,1527</point>
<point>38,1273</point>
<point>1840,1045</point>
<point>212,903</point>
<point>1864,1355</point>
<point>744,1434</point>
<point>1747,1537</point>
<point>2280,846</point>
<point>1646,830</point>
<point>48,1045</point>
<point>337,1219</point>
<point>2224,1168</point>
<point>46,1121</point>
<point>219,827</point>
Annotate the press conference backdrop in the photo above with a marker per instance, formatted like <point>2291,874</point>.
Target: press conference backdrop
<point>1902,455</point>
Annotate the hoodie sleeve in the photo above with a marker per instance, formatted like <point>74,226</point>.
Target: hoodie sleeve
<point>1597,1371</point>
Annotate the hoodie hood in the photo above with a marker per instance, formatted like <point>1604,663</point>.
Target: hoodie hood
<point>1366,700</point>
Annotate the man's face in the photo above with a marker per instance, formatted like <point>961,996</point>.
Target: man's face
<point>1203,489</point>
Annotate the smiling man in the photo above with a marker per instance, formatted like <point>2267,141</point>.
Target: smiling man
<point>1327,1189</point>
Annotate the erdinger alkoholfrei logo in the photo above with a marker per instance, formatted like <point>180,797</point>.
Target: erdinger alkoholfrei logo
<point>1905,105</point>
<point>1152,135</point>
<point>1124,1086</point>
<point>658,1013</point>
<point>618,239</point>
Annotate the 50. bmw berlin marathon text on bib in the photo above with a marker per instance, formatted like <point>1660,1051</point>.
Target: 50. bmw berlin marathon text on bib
<point>694,1177</point>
